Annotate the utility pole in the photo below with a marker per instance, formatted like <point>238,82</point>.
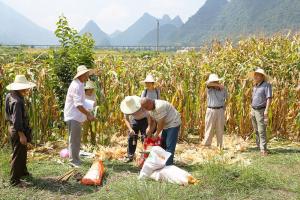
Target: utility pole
<point>157,36</point>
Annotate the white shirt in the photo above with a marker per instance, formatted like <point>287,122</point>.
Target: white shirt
<point>75,97</point>
<point>165,109</point>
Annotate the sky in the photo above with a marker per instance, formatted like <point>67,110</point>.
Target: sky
<point>110,15</point>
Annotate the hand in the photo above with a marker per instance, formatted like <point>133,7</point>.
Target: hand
<point>148,132</point>
<point>266,118</point>
<point>131,132</point>
<point>155,135</point>
<point>91,117</point>
<point>23,139</point>
<point>221,87</point>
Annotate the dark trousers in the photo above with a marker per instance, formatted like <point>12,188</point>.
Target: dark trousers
<point>169,139</point>
<point>19,159</point>
<point>139,126</point>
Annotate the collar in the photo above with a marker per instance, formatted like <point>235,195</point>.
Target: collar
<point>257,85</point>
<point>78,81</point>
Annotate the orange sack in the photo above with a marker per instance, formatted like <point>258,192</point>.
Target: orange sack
<point>95,174</point>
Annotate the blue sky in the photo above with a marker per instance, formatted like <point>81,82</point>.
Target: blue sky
<point>110,15</point>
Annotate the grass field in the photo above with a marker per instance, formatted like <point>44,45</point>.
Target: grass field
<point>274,177</point>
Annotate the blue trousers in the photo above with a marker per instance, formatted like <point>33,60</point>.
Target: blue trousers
<point>169,140</point>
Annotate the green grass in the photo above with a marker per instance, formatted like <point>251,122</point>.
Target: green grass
<point>274,177</point>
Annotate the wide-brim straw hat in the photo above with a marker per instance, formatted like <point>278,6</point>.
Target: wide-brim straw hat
<point>149,79</point>
<point>213,78</point>
<point>130,105</point>
<point>20,83</point>
<point>259,71</point>
<point>89,85</point>
<point>81,70</point>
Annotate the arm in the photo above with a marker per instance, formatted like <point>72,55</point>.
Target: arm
<point>151,126</point>
<point>160,127</point>
<point>17,119</point>
<point>159,95</point>
<point>23,139</point>
<point>269,101</point>
<point>127,123</point>
<point>86,112</point>
<point>220,86</point>
<point>78,102</point>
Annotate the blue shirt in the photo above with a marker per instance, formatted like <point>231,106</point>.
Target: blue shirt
<point>216,98</point>
<point>260,94</point>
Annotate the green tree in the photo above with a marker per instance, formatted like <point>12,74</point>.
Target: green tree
<point>74,50</point>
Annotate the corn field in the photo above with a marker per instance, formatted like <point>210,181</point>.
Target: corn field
<point>181,78</point>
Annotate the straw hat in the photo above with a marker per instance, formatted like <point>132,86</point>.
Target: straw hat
<point>130,104</point>
<point>20,83</point>
<point>81,70</point>
<point>260,71</point>
<point>149,79</point>
<point>213,78</point>
<point>89,85</point>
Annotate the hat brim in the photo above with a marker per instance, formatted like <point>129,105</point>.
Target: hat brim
<point>148,81</point>
<point>89,88</point>
<point>214,80</point>
<point>128,111</point>
<point>251,75</point>
<point>20,86</point>
<point>81,73</point>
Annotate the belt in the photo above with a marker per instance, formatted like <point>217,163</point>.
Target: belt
<point>258,108</point>
<point>215,108</point>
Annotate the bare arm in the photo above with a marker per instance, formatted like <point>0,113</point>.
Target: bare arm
<point>127,123</point>
<point>23,139</point>
<point>218,85</point>
<point>269,101</point>
<point>160,127</point>
<point>86,112</point>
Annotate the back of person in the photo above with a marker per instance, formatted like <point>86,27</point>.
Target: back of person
<point>165,109</point>
<point>151,94</point>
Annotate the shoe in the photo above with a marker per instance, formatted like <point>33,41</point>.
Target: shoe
<point>75,165</point>
<point>21,184</point>
<point>128,159</point>
<point>264,153</point>
<point>27,174</point>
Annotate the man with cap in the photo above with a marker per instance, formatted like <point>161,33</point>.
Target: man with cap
<point>136,119</point>
<point>20,132</point>
<point>75,113</point>
<point>167,124</point>
<point>261,102</point>
<point>215,113</point>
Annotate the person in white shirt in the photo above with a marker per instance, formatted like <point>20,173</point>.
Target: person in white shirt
<point>75,113</point>
<point>90,95</point>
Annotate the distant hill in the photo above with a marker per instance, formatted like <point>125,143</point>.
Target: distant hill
<point>17,29</point>
<point>101,38</point>
<point>222,19</point>
<point>165,31</point>
<point>115,34</point>
<point>142,27</point>
<point>177,22</point>
<point>256,16</point>
<point>198,27</point>
<point>135,32</point>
